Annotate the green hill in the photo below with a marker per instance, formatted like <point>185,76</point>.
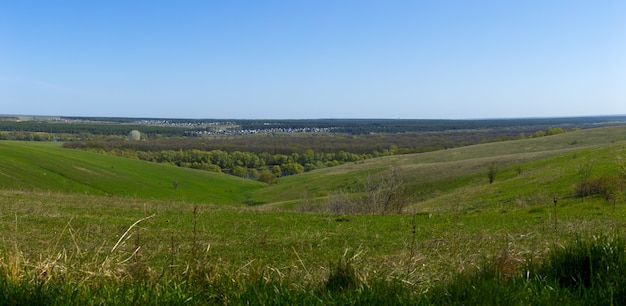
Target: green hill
<point>431,179</point>
<point>48,167</point>
<point>436,176</point>
<point>73,235</point>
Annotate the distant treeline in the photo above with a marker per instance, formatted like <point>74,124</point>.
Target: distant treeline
<point>397,143</point>
<point>88,128</point>
<point>38,136</point>
<point>174,127</point>
<point>366,126</point>
<point>263,166</point>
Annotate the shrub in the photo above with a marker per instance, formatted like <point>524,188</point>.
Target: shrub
<point>382,193</point>
<point>213,168</point>
<point>267,177</point>
<point>609,186</point>
<point>341,203</point>
<point>239,171</point>
<point>584,187</point>
<point>492,170</point>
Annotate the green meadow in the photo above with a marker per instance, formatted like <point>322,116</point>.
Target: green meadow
<point>435,176</point>
<point>86,228</point>
<point>48,167</point>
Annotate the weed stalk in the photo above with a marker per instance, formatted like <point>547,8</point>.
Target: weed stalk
<point>172,256</point>
<point>195,233</point>
<point>555,217</point>
<point>411,248</point>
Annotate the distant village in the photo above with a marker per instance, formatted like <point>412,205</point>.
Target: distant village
<point>227,127</point>
<point>235,131</point>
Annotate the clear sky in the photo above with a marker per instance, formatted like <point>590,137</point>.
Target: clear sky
<point>307,59</point>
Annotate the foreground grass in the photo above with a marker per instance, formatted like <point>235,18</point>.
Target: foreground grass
<point>106,250</point>
<point>586,271</point>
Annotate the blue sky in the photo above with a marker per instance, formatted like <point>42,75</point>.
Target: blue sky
<point>313,59</point>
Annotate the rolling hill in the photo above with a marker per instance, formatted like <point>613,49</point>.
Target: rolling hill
<point>48,167</point>
<point>431,179</point>
<point>429,176</point>
<point>68,218</point>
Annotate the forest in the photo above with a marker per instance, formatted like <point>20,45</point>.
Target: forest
<point>86,128</point>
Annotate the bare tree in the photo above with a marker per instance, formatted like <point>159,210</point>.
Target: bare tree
<point>584,177</point>
<point>340,203</point>
<point>492,171</point>
<point>382,193</point>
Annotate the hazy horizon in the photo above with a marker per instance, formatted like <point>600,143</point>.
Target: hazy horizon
<point>312,119</point>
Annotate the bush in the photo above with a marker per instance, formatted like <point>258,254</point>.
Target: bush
<point>492,171</point>
<point>382,193</point>
<point>212,168</point>
<point>267,177</point>
<point>608,186</point>
<point>239,171</point>
<point>341,203</point>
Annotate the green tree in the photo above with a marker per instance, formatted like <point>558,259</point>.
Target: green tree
<point>239,171</point>
<point>213,168</point>
<point>554,131</point>
<point>292,168</point>
<point>221,159</point>
<point>280,159</point>
<point>308,157</point>
<point>277,171</point>
<point>267,177</point>
<point>539,134</point>
<point>253,173</point>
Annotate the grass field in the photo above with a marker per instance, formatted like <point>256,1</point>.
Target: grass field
<point>48,167</point>
<point>79,227</point>
<point>434,174</point>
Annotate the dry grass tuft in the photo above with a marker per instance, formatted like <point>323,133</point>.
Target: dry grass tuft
<point>507,264</point>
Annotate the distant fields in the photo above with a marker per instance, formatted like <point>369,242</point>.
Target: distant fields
<point>112,230</point>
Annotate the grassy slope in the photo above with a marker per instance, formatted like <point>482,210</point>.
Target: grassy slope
<point>429,176</point>
<point>514,214</point>
<point>47,167</point>
<point>432,179</point>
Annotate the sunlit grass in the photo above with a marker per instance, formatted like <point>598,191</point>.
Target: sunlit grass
<point>74,238</point>
<point>75,246</point>
<point>429,175</point>
<point>47,167</point>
